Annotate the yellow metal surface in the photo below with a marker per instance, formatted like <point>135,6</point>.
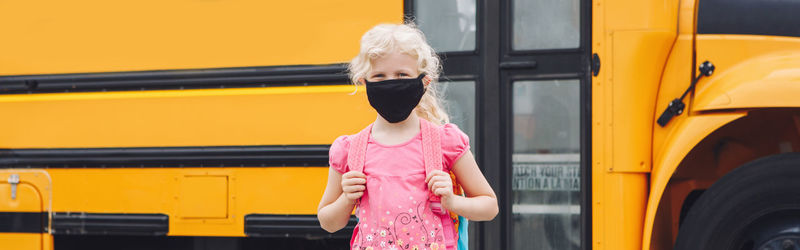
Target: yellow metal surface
<point>28,198</point>
<point>51,36</point>
<point>676,77</point>
<point>203,197</point>
<point>686,133</point>
<point>633,48</point>
<point>21,241</point>
<point>765,72</point>
<point>638,59</point>
<point>32,195</point>
<point>209,117</point>
<point>34,191</point>
<point>271,190</point>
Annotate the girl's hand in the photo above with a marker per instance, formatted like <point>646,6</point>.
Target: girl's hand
<point>441,185</point>
<point>353,185</point>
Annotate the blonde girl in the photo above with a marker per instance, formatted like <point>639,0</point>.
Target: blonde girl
<point>399,70</point>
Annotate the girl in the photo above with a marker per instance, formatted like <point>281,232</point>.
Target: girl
<point>399,205</point>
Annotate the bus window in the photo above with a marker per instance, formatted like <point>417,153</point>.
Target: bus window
<point>546,165</point>
<point>459,101</point>
<point>546,24</point>
<point>448,25</point>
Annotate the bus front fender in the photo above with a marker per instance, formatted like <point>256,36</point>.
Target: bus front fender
<point>687,133</point>
<point>769,81</point>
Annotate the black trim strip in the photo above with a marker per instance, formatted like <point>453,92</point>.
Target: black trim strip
<point>300,75</point>
<point>747,17</point>
<point>66,223</point>
<point>23,222</point>
<point>222,156</point>
<point>275,225</point>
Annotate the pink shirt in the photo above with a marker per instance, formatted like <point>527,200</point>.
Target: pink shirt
<point>404,159</point>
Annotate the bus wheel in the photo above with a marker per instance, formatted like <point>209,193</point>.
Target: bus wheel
<point>756,206</point>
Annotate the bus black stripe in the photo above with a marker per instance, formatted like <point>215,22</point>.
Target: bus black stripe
<point>298,75</point>
<point>747,17</point>
<point>71,223</point>
<point>150,157</point>
<point>283,225</point>
<point>22,222</point>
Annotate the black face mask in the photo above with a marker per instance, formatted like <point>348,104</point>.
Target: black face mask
<point>395,99</point>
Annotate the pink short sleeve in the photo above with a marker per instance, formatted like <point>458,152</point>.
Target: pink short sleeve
<point>455,144</point>
<point>337,155</point>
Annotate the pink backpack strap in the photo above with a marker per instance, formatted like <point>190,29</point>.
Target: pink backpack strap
<point>431,150</point>
<point>357,153</point>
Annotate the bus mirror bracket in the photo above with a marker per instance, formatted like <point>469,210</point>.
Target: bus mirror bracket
<point>676,106</point>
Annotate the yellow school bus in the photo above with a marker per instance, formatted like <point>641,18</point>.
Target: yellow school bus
<point>601,124</point>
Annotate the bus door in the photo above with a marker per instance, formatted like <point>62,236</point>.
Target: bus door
<point>543,82</point>
<point>515,78</point>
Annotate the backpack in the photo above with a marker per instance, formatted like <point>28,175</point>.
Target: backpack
<point>432,158</point>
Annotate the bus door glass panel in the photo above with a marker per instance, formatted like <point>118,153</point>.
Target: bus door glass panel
<point>546,164</point>
<point>545,24</point>
<point>459,102</point>
<point>449,25</point>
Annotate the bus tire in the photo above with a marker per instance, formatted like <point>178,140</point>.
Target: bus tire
<point>755,206</point>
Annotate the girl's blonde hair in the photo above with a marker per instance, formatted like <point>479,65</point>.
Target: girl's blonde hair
<point>407,39</point>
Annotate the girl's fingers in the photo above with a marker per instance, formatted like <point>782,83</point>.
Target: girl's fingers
<point>442,191</point>
<point>353,174</point>
<point>437,178</point>
<point>353,181</point>
<point>354,196</point>
<point>435,173</point>
<point>353,188</point>
<point>441,185</point>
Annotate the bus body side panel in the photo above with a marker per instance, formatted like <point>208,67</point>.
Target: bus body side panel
<point>208,201</point>
<point>206,197</point>
<point>184,118</point>
<point>53,37</point>
<point>633,48</point>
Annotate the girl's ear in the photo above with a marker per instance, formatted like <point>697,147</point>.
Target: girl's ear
<point>427,80</point>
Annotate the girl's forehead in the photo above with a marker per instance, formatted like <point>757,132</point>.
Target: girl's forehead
<point>394,60</point>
